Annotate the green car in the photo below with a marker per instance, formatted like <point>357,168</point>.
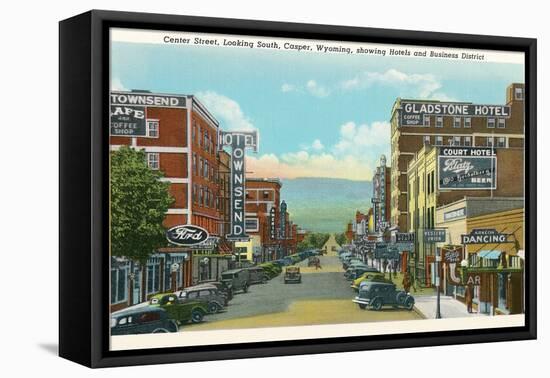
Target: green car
<point>181,312</point>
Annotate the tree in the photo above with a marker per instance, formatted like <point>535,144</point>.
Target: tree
<point>139,201</point>
<point>341,239</point>
<point>313,240</point>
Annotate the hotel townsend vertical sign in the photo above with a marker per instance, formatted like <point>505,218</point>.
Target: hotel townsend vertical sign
<point>238,142</point>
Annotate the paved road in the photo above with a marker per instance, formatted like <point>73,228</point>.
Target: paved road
<point>275,296</point>
<point>323,297</point>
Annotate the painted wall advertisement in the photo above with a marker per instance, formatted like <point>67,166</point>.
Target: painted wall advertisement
<point>467,168</point>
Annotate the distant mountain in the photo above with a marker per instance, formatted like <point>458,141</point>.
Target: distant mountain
<point>325,204</point>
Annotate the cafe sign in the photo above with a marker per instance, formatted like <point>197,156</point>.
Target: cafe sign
<point>484,236</point>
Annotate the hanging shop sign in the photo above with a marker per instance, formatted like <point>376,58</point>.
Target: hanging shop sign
<point>412,113</point>
<point>434,235</point>
<point>467,168</point>
<point>451,255</point>
<point>405,237</point>
<point>238,142</point>
<point>484,236</point>
<point>186,235</point>
<point>272,229</point>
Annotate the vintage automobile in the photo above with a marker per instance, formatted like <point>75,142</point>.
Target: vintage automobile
<point>208,295</point>
<point>313,261</point>
<point>180,311</point>
<point>374,295</point>
<point>238,278</point>
<point>257,275</point>
<point>366,277</point>
<point>142,320</point>
<point>357,271</point>
<point>225,288</point>
<point>293,275</point>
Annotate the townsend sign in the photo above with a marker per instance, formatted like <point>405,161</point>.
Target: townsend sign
<point>412,113</point>
<point>238,142</point>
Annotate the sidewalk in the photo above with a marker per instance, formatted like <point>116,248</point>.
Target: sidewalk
<point>450,307</point>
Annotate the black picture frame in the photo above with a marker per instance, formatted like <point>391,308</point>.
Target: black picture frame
<point>83,180</point>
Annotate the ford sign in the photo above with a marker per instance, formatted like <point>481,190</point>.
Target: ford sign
<point>186,235</point>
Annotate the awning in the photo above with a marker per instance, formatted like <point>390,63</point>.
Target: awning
<point>491,255</point>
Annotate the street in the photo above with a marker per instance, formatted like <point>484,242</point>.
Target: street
<point>323,297</point>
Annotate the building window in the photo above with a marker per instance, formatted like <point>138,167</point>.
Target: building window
<point>152,127</point>
<point>206,143</point>
<point>438,121</point>
<point>468,141</point>
<point>501,123</point>
<point>467,122</point>
<point>201,195</point>
<point>194,130</point>
<point>266,194</point>
<point>199,136</point>
<point>501,142</point>
<point>439,140</point>
<point>427,120</point>
<point>153,278</point>
<point>194,164</point>
<point>119,284</point>
<point>490,141</point>
<point>518,93</point>
<point>206,197</point>
<point>456,122</point>
<point>205,173</point>
<point>426,139</point>
<point>153,160</point>
<point>457,141</point>
<point>195,193</point>
<point>490,123</point>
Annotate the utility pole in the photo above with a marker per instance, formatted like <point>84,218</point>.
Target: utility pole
<point>438,282</point>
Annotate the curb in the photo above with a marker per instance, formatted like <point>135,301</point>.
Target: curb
<point>415,309</point>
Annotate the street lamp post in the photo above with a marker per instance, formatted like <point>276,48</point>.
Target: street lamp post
<point>438,282</point>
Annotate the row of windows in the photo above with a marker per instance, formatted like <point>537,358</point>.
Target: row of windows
<point>204,196</point>
<point>465,141</point>
<point>204,169</point>
<point>265,195</point>
<point>466,122</point>
<point>203,138</point>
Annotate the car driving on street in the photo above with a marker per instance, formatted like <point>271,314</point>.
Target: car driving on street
<point>375,295</point>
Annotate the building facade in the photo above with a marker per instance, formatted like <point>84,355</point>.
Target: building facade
<point>179,137</point>
<point>415,123</point>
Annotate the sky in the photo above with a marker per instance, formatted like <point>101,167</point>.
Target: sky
<point>318,115</point>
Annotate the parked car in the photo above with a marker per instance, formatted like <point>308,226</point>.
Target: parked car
<point>357,271</point>
<point>293,275</point>
<point>208,295</point>
<point>180,311</point>
<point>257,275</point>
<point>224,288</point>
<point>368,276</point>
<point>377,294</point>
<point>142,320</point>
<point>238,278</point>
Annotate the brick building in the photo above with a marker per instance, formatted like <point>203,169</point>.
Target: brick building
<point>179,136</point>
<point>415,123</point>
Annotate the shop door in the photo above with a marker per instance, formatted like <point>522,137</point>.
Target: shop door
<point>136,292</point>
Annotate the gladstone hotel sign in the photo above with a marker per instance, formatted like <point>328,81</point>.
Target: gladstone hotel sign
<point>412,113</point>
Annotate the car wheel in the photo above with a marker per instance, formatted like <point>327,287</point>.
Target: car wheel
<point>362,306</point>
<point>245,288</point>
<point>212,308</point>
<point>264,280</point>
<point>376,304</point>
<point>196,316</point>
<point>409,303</point>
<point>401,296</point>
<point>160,330</point>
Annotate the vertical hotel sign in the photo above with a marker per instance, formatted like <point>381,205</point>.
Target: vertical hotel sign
<point>238,142</point>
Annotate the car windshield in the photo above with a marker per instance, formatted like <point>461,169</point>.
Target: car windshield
<point>227,276</point>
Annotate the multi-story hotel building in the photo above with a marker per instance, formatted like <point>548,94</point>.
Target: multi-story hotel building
<point>179,136</point>
<point>415,123</point>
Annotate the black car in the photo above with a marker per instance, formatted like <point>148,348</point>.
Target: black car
<point>377,294</point>
<point>142,320</point>
<point>225,287</point>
